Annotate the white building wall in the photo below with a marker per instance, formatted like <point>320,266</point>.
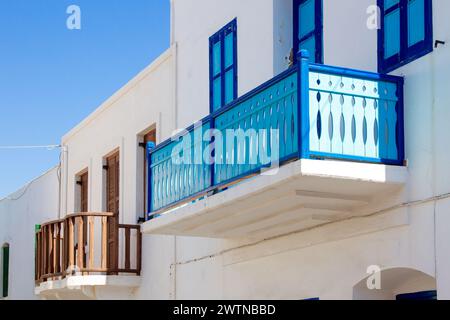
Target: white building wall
<point>348,42</point>
<point>197,20</point>
<point>145,102</point>
<point>404,230</point>
<point>19,213</point>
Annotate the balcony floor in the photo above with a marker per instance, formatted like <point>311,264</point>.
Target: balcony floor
<point>303,194</point>
<point>80,287</point>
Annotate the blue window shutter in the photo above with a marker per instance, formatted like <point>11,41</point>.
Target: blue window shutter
<point>229,87</point>
<point>392,34</point>
<point>308,28</point>
<point>217,58</point>
<point>217,93</point>
<point>390,3</point>
<point>416,22</point>
<point>229,50</point>
<point>406,32</point>
<point>307,14</point>
<point>223,66</point>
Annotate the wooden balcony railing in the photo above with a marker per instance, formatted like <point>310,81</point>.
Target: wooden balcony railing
<point>87,244</point>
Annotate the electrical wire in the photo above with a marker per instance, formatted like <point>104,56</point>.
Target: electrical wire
<point>28,185</point>
<point>48,147</point>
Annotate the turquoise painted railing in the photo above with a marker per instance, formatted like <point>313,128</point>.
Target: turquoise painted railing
<point>309,111</point>
<point>175,171</point>
<point>353,115</point>
<point>267,118</point>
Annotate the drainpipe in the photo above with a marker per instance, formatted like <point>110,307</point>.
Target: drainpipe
<point>433,152</point>
<point>63,181</point>
<point>173,272</point>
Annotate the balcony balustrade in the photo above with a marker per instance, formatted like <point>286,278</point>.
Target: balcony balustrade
<point>87,244</point>
<point>310,111</point>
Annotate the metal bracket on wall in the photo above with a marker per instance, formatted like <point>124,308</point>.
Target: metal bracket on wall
<point>438,42</point>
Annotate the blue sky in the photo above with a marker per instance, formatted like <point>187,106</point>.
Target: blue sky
<point>52,77</point>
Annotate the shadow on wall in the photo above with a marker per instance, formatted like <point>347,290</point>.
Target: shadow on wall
<point>398,284</point>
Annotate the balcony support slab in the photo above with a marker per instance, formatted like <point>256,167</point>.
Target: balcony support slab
<point>79,287</point>
<point>299,195</point>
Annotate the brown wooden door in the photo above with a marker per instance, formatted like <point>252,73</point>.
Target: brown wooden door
<point>113,194</point>
<point>84,182</point>
<point>84,186</point>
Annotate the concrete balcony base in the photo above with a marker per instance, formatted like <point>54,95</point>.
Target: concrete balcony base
<point>88,287</point>
<point>300,195</point>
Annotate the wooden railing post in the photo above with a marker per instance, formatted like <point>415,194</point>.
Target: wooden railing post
<point>42,254</point>
<point>80,242</point>
<point>70,244</point>
<point>57,257</point>
<point>139,251</point>
<point>65,263</point>
<point>91,242</point>
<point>104,256</point>
<point>127,248</point>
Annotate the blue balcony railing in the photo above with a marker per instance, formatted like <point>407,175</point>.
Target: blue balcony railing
<point>308,112</point>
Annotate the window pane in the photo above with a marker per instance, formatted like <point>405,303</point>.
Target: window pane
<point>310,45</point>
<point>229,86</point>
<point>229,50</point>
<point>217,62</point>
<point>217,93</point>
<point>416,21</point>
<point>392,34</point>
<point>306,18</point>
<point>390,3</point>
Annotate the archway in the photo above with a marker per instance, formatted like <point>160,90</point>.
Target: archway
<point>398,283</point>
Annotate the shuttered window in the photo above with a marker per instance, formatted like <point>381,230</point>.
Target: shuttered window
<point>112,198</point>
<point>223,66</point>
<point>406,32</point>
<point>5,271</point>
<point>113,183</point>
<point>308,27</point>
<point>84,185</point>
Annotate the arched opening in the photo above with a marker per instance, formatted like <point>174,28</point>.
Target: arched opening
<point>398,284</point>
<point>5,270</point>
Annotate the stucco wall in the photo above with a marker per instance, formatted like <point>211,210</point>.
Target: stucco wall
<point>194,22</point>
<point>329,269</point>
<point>145,102</point>
<point>19,213</point>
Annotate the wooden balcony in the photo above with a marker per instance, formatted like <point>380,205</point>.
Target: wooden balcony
<point>87,244</point>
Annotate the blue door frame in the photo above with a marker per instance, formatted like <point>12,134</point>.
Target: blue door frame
<point>317,33</point>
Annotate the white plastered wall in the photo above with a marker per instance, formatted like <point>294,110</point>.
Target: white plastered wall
<point>19,213</point>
